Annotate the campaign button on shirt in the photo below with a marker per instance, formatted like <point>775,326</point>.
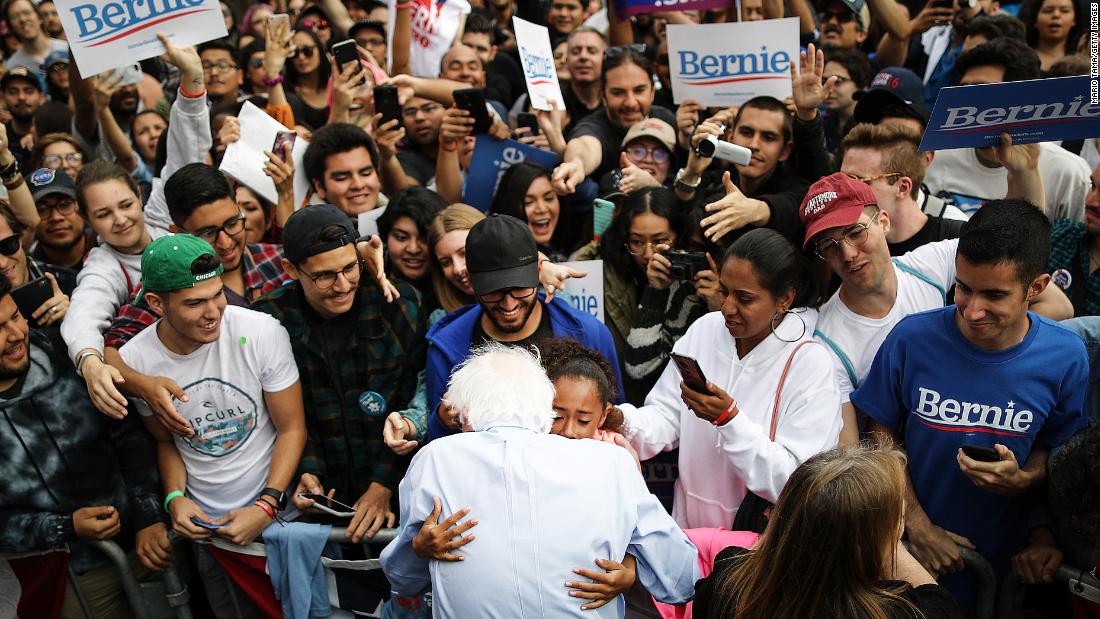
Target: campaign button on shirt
<point>372,404</point>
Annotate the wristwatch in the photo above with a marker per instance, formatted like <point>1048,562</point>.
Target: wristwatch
<point>683,185</point>
<point>278,495</point>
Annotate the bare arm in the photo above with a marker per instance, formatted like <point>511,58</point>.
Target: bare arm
<point>805,14</point>
<point>337,14</point>
<point>84,116</point>
<point>892,16</point>
<point>773,9</point>
<point>19,196</point>
<point>585,150</point>
<point>402,40</point>
<point>619,32</point>
<point>105,86</point>
<point>288,416</point>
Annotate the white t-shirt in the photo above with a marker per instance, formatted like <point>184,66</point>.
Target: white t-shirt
<point>859,337</point>
<point>228,458</point>
<point>434,28</point>
<point>959,173</point>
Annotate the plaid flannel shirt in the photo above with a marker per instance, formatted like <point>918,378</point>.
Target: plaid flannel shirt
<point>1069,251</point>
<point>263,271</point>
<point>386,351</point>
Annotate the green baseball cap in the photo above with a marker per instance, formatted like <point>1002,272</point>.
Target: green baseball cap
<point>166,264</point>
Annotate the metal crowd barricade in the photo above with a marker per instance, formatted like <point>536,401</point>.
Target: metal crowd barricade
<point>986,600</point>
<point>177,596</point>
<point>1080,582</point>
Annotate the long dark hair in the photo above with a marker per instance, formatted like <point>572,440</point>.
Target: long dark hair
<point>513,187</point>
<point>1029,14</point>
<point>325,69</point>
<point>657,200</point>
<point>778,265</point>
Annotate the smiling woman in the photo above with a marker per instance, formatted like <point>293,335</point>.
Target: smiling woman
<point>526,194</point>
<point>404,229</point>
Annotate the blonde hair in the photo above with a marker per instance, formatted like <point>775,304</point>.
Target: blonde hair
<point>853,497</point>
<point>898,146</point>
<point>455,217</point>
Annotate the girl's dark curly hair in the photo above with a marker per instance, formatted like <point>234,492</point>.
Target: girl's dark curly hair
<point>566,357</point>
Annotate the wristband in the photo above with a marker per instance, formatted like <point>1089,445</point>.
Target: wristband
<point>196,95</point>
<point>10,172</point>
<point>13,183</point>
<point>175,494</point>
<point>273,81</point>
<point>726,415</point>
<point>82,357</point>
<point>264,505</point>
<point>443,147</point>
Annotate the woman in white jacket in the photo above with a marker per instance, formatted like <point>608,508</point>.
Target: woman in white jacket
<point>724,437</point>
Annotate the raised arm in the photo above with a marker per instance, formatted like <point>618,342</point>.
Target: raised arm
<point>19,195</point>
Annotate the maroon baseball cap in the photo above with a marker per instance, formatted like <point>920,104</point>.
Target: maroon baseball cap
<point>833,201</point>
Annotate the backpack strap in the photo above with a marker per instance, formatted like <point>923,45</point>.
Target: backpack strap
<point>844,360</point>
<point>934,206</point>
<point>921,276</point>
<point>779,389</point>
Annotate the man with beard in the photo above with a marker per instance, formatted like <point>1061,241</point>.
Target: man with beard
<point>422,119</point>
<point>69,477</point>
<point>51,21</point>
<point>61,236</point>
<point>34,45</point>
<point>503,263</point>
<point>627,96</point>
<point>1074,246</point>
<point>124,104</point>
<point>22,97</point>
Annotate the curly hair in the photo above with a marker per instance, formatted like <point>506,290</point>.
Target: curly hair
<point>565,357</point>
<point>1072,481</point>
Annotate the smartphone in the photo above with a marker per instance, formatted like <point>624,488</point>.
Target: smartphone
<point>329,505</point>
<point>344,53</point>
<point>386,102</point>
<point>529,120</point>
<point>279,26</point>
<point>131,74</point>
<point>198,522</point>
<point>281,138</point>
<point>30,296</point>
<point>942,4</point>
<point>692,373</point>
<point>473,101</point>
<point>981,454</point>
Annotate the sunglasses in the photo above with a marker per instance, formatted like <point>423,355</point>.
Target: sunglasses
<point>621,50</point>
<point>314,23</point>
<point>256,63</point>
<point>842,17</point>
<point>305,50</point>
<point>10,245</point>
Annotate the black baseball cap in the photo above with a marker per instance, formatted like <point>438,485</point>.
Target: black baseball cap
<point>303,227</point>
<point>501,253</point>
<point>892,85</point>
<point>46,182</point>
<point>20,73</point>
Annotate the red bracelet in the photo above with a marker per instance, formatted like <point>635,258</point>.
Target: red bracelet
<point>192,96</point>
<point>264,505</point>
<point>443,147</point>
<point>726,415</point>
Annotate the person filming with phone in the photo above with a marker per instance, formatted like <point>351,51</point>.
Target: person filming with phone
<point>747,397</point>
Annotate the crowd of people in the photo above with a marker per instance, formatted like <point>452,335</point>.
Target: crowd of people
<point>822,379</point>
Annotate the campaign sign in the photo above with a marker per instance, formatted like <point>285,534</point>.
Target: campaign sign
<point>723,65</point>
<point>1044,110</point>
<point>104,34</point>
<point>538,64</point>
<point>629,8</point>
<point>491,158</point>
<point>585,294</point>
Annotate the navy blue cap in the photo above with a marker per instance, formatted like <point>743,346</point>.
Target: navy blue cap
<point>891,85</point>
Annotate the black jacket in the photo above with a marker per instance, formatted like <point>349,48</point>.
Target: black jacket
<point>62,454</point>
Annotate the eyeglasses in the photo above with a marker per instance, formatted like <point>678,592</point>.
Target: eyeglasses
<point>58,67</point>
<point>637,247</point>
<point>221,66</point>
<point>518,294</point>
<point>55,160</point>
<point>842,17</point>
<point>620,50</point>
<point>371,42</point>
<point>830,248</point>
<point>327,279</point>
<point>231,228</point>
<point>314,23</point>
<point>638,152</point>
<point>10,245</point>
<point>427,108</point>
<point>305,50</point>
<point>840,79</point>
<point>256,62</point>
<point>871,179</point>
<point>64,206</point>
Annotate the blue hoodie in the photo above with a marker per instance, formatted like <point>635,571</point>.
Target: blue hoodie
<point>449,344</point>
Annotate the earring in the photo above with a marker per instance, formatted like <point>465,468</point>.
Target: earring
<point>780,315</point>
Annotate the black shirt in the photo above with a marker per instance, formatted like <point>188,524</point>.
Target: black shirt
<point>536,339</point>
<point>611,137</point>
<point>935,229</point>
<point>416,164</point>
<point>782,191</point>
<point>578,111</point>
<point>504,80</point>
<point>933,601</point>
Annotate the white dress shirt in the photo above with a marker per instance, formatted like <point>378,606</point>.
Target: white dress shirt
<point>545,505</point>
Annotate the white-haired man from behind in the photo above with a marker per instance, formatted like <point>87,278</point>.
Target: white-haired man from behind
<point>544,504</point>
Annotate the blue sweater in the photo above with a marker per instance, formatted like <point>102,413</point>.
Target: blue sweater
<point>449,344</point>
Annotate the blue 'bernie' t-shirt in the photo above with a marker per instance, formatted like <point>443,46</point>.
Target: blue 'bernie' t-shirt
<point>942,392</point>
